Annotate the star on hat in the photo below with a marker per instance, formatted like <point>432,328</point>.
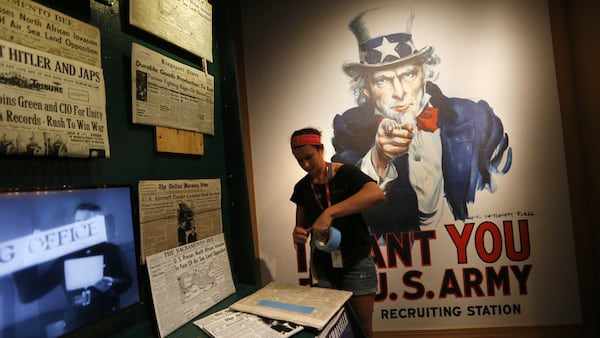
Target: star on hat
<point>387,48</point>
<point>379,45</point>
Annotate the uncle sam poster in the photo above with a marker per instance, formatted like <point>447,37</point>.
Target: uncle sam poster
<point>476,228</point>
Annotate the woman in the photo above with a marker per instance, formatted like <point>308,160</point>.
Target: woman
<point>333,195</point>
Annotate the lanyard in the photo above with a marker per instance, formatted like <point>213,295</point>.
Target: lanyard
<point>327,194</point>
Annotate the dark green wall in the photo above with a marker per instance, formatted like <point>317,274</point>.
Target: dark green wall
<point>133,156</point>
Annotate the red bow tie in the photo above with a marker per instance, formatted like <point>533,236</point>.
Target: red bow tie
<point>427,120</point>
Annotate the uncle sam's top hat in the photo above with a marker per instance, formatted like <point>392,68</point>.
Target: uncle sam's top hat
<point>384,39</point>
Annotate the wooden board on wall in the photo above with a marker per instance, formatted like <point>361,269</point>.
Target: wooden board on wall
<point>178,141</point>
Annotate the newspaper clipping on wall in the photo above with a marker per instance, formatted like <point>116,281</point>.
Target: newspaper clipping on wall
<point>50,106</point>
<point>177,212</point>
<point>228,323</point>
<point>188,280</point>
<point>30,24</point>
<point>169,93</point>
<point>185,23</point>
<point>312,307</point>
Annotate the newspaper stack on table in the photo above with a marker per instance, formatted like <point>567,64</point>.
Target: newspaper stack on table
<point>312,307</point>
<point>228,323</point>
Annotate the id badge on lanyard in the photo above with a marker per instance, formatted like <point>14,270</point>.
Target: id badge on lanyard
<point>336,256</point>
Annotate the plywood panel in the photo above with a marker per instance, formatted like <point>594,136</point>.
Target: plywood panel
<point>178,141</point>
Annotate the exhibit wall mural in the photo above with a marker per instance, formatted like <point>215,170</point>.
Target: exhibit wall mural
<point>476,227</point>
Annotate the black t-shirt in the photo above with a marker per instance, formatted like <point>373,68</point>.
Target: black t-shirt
<point>347,181</point>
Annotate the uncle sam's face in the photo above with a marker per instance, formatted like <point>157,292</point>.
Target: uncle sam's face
<point>397,92</point>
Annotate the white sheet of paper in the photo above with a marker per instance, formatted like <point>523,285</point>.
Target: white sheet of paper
<point>83,272</point>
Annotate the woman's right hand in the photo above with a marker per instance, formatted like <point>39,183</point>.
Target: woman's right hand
<point>300,234</point>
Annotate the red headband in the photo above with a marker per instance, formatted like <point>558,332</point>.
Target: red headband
<point>305,140</point>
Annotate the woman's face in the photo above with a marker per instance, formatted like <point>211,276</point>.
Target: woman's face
<point>310,158</point>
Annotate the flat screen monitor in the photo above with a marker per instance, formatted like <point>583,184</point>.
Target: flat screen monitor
<point>67,259</point>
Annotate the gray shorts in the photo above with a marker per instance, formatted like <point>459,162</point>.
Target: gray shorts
<point>361,279</point>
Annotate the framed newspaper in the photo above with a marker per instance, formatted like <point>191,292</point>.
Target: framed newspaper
<point>185,23</point>
<point>188,280</point>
